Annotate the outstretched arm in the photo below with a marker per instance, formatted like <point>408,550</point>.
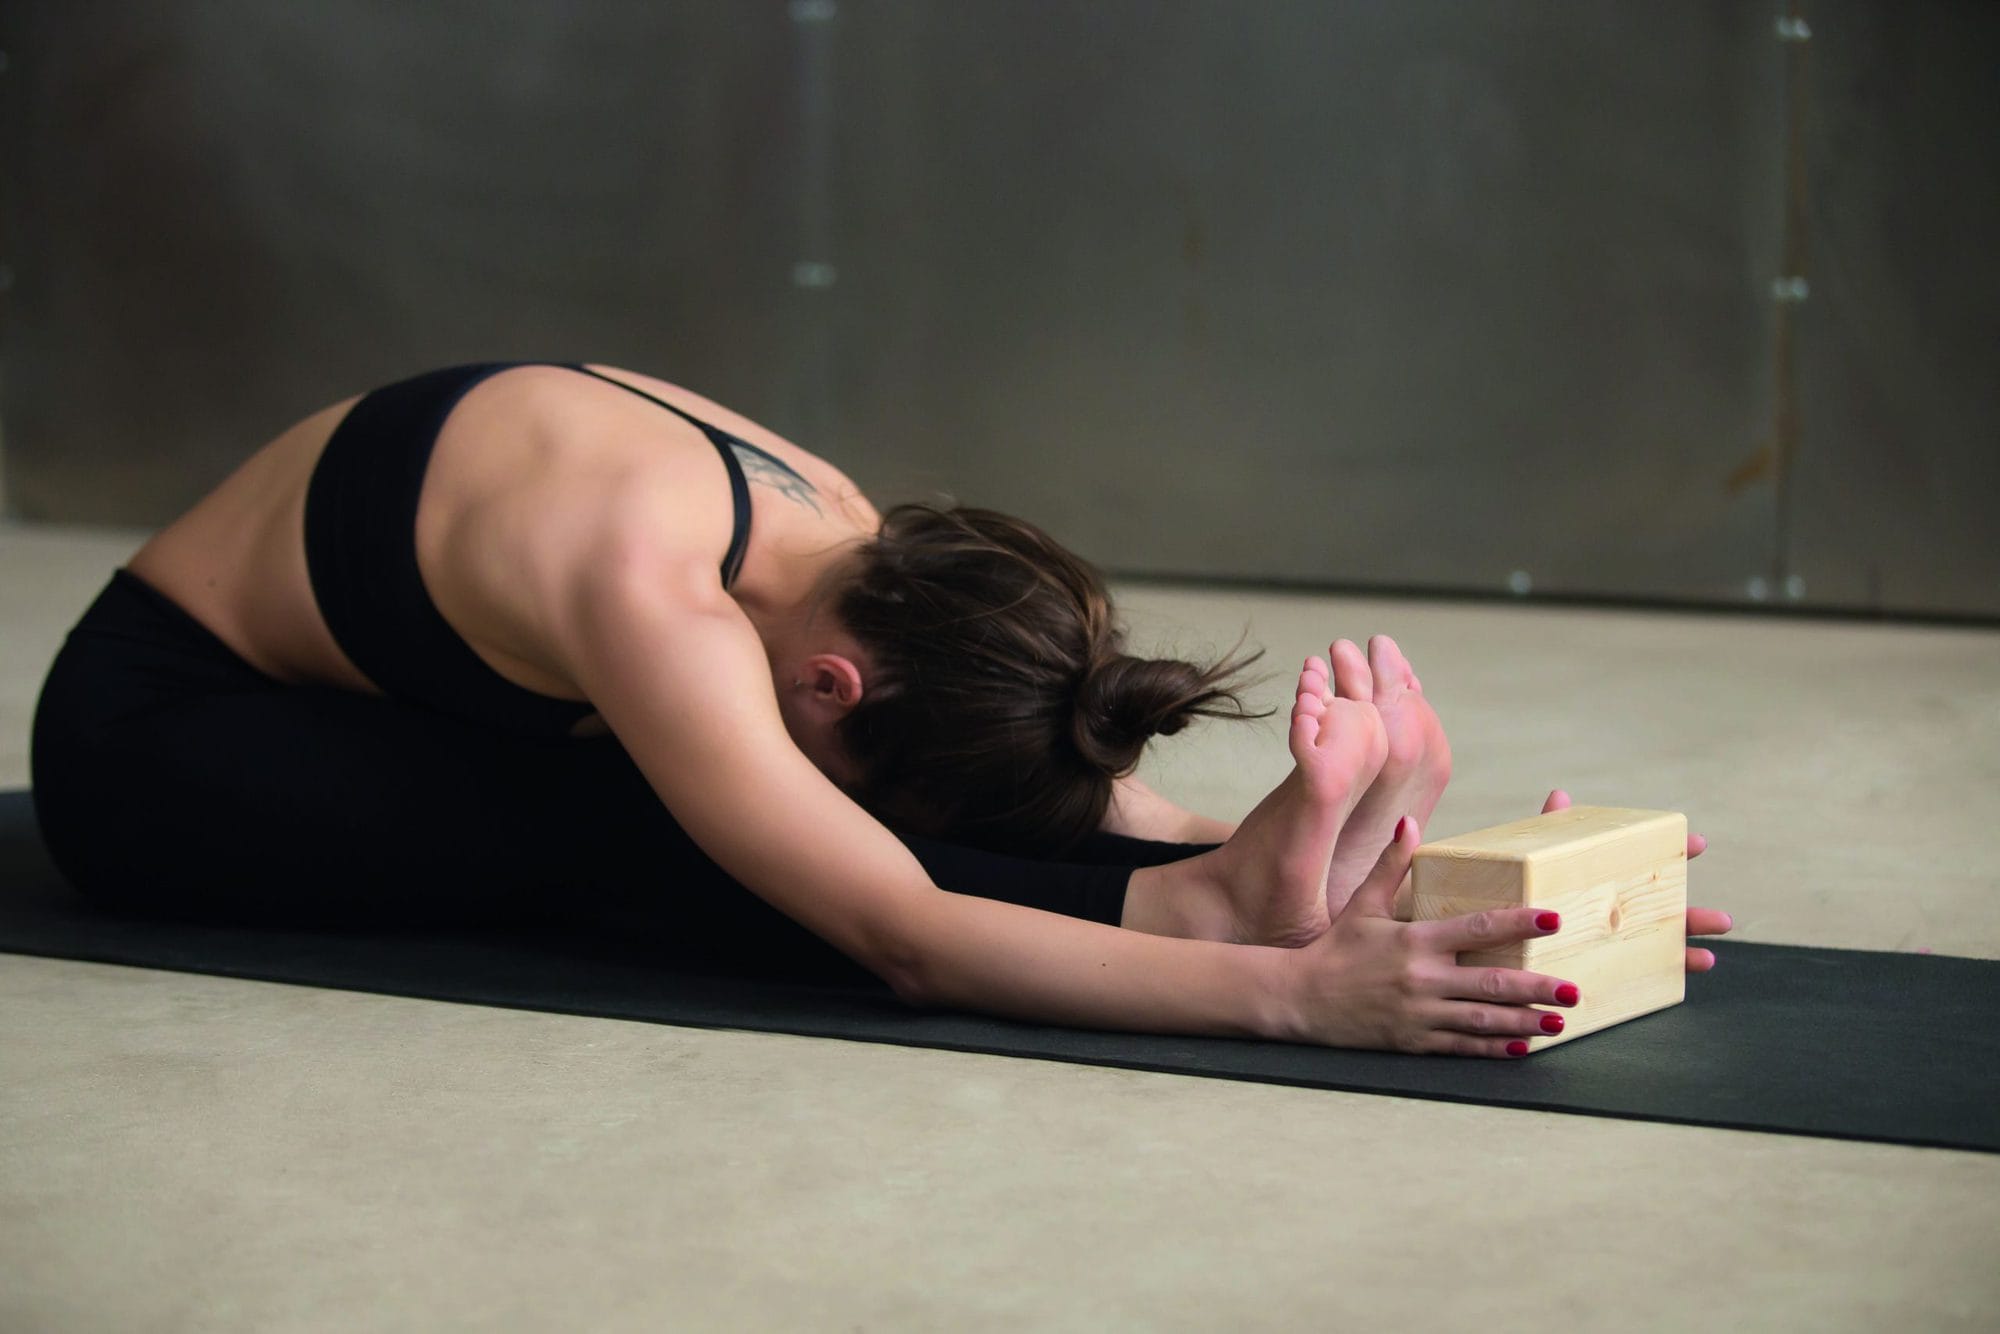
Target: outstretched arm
<point>679,674</point>
<point>681,677</point>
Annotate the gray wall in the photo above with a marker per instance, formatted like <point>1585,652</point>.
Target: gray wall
<point>1429,294</point>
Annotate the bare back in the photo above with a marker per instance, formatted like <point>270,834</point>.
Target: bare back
<point>527,470</point>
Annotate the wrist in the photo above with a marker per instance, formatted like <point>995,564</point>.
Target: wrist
<point>1276,985</point>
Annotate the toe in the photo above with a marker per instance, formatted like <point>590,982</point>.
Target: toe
<point>1351,679</point>
<point>1305,728</point>
<point>1313,709</point>
<point>1389,669</point>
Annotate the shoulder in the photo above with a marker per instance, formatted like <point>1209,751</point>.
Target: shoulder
<point>544,481</point>
<point>627,560</point>
<point>826,479</point>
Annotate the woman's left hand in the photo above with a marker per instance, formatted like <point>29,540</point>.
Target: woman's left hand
<point>1700,921</point>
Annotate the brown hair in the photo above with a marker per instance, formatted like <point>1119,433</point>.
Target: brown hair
<point>1001,704</point>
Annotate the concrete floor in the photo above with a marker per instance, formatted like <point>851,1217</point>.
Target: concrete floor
<point>182,1153</point>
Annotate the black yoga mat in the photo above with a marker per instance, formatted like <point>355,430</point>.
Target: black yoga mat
<point>1840,1043</point>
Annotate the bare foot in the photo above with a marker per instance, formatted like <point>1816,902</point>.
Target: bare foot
<point>1268,884</point>
<point>1413,776</point>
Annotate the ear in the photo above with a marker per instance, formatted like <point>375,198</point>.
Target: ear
<point>833,680</point>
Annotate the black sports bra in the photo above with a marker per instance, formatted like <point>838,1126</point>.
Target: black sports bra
<point>361,551</point>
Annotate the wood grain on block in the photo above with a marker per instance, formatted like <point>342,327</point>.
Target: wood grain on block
<point>1619,879</point>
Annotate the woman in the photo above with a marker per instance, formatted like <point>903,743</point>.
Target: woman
<point>505,636</point>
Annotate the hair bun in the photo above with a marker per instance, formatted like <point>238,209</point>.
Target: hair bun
<point>1125,701</point>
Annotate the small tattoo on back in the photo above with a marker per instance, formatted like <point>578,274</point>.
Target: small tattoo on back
<point>762,468</point>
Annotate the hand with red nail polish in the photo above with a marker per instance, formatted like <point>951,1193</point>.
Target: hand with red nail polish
<point>1374,981</point>
<point>1700,921</point>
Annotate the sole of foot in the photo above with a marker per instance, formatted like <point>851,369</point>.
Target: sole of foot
<point>1417,765</point>
<point>1279,858</point>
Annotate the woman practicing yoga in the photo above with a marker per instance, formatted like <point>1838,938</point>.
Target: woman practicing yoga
<point>503,640</point>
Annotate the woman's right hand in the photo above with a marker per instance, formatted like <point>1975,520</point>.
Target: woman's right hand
<point>1372,981</point>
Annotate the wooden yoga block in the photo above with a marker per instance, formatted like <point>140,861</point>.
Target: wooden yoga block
<point>1619,879</point>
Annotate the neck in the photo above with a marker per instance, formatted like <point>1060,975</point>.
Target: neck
<point>789,601</point>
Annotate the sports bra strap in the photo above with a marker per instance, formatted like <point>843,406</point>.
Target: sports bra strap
<point>726,444</point>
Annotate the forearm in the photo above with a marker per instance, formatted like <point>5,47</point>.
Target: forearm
<point>666,663</point>
<point>1000,958</point>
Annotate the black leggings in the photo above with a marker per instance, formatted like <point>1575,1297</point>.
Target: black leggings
<point>171,777</point>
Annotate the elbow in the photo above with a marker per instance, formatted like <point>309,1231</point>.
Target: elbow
<point>898,957</point>
<point>912,946</point>
<point>904,971</point>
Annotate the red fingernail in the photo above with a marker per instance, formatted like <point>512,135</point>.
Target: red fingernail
<point>1402,827</point>
<point>1552,1023</point>
<point>1549,921</point>
<point>1517,1048</point>
<point>1567,994</point>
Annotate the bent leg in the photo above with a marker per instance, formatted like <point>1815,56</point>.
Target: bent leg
<point>173,778</point>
